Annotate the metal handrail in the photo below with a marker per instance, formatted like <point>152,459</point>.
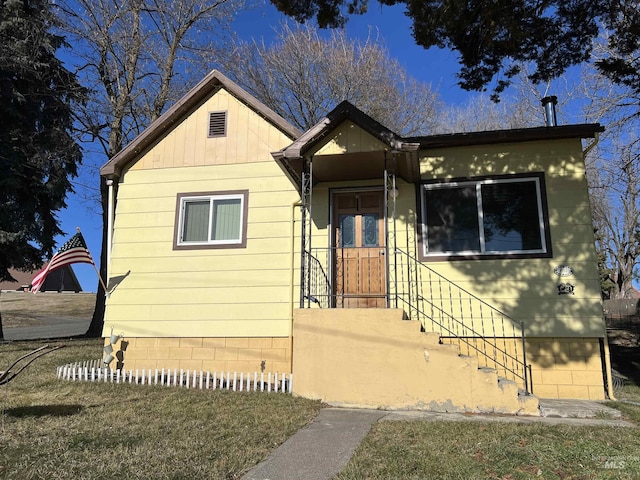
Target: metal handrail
<point>318,286</point>
<point>459,314</point>
<point>444,307</point>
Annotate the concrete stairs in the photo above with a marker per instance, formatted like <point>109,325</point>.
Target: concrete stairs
<point>373,358</point>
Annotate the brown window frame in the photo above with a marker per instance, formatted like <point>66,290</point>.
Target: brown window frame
<point>183,197</point>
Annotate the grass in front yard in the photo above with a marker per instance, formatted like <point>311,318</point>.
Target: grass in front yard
<point>59,429</point>
<point>506,451</point>
<point>628,403</point>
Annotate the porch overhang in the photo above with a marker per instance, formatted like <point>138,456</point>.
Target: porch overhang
<point>349,165</point>
<point>353,166</point>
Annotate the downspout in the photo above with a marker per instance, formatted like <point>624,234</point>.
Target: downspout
<point>292,260</point>
<point>588,148</point>
<point>110,211</point>
<point>605,339</point>
<point>607,366</point>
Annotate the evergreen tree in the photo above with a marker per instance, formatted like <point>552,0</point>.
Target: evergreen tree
<point>38,154</point>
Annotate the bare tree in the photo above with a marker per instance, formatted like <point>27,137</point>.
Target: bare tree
<point>521,108</point>
<point>616,212</point>
<point>480,113</point>
<point>613,172</point>
<point>303,75</point>
<point>135,57</point>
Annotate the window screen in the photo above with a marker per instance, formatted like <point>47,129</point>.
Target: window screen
<point>216,219</point>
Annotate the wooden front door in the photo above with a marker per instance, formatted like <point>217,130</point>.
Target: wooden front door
<point>360,265</point>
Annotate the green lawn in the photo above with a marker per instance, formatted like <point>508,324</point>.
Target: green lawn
<point>58,429</point>
<point>506,451</point>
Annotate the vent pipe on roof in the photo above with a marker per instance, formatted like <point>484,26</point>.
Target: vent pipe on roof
<point>549,103</point>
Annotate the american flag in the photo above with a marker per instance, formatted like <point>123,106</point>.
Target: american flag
<point>74,251</point>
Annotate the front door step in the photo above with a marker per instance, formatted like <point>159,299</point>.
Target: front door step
<point>371,358</point>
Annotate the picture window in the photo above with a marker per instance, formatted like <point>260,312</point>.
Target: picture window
<point>488,217</point>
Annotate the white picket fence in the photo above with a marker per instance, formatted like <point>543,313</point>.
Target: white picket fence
<point>95,371</point>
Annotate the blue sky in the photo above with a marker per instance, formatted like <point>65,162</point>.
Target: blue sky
<point>434,66</point>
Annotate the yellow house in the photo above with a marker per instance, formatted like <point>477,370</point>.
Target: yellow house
<point>444,272</point>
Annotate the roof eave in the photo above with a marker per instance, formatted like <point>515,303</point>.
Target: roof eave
<point>214,80</point>
<point>586,130</point>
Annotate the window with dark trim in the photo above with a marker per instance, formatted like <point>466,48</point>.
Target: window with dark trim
<point>211,220</point>
<point>217,124</point>
<point>485,217</point>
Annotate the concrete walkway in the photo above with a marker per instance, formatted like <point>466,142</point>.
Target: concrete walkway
<point>323,448</point>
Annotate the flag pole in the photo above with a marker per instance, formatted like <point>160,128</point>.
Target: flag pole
<point>106,292</point>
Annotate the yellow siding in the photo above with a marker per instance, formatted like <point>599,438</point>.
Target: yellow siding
<point>558,158</point>
<point>526,289</point>
<point>211,292</point>
<point>235,292</point>
<point>349,138</point>
<point>249,138</point>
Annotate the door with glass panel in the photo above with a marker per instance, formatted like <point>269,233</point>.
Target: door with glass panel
<point>360,266</point>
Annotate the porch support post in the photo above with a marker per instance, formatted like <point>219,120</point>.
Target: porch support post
<point>305,244</point>
<point>309,230</point>
<point>390,194</point>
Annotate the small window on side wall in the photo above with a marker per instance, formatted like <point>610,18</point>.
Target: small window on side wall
<point>211,220</point>
<point>485,218</point>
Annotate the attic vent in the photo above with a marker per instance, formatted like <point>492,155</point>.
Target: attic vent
<point>217,124</point>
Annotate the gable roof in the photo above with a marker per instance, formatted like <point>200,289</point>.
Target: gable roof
<point>343,111</point>
<point>347,111</point>
<point>182,108</point>
<point>290,158</point>
<point>62,279</point>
